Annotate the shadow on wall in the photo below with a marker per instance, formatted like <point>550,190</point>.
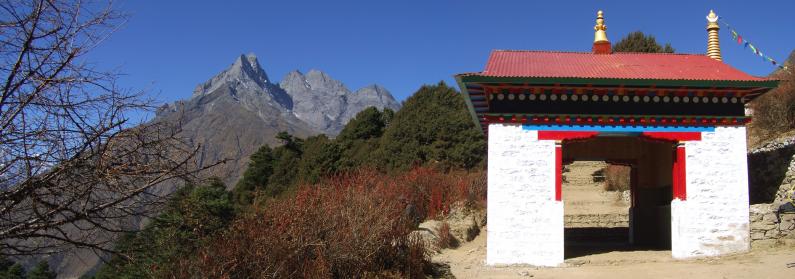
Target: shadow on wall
<point>767,171</point>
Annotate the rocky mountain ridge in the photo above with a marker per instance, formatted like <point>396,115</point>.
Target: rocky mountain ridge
<point>323,104</point>
<point>326,104</point>
<point>238,110</point>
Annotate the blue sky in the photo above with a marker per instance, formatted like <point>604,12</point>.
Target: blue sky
<point>168,47</point>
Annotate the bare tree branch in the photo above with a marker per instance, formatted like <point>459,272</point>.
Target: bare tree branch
<point>73,170</point>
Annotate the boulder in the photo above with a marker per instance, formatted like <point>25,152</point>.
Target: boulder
<point>428,231</point>
<point>465,223</point>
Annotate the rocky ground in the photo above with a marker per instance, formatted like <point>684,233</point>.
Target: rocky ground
<point>467,261</point>
<point>606,255</point>
<point>586,203</point>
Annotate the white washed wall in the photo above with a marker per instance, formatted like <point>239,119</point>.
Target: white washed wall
<point>714,218</point>
<point>525,223</point>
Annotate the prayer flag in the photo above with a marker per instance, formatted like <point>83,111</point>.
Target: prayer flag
<point>746,44</point>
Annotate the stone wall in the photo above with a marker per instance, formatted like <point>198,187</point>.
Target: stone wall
<point>771,170</point>
<point>713,220</point>
<point>525,222</point>
<point>767,228</point>
<point>610,220</point>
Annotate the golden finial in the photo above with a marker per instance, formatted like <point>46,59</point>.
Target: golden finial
<point>713,44</point>
<point>600,35</point>
<point>712,20</point>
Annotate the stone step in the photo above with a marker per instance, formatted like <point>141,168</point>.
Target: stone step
<point>607,205</point>
<point>596,220</point>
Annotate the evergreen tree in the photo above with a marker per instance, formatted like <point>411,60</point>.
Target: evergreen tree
<point>639,42</point>
<point>368,123</point>
<point>433,126</point>
<point>361,136</point>
<point>193,215</point>
<point>290,142</point>
<point>15,271</point>
<point>260,168</point>
<point>5,264</point>
<point>320,158</point>
<point>41,271</point>
<point>386,116</point>
<point>273,171</point>
<point>206,209</point>
<point>285,167</point>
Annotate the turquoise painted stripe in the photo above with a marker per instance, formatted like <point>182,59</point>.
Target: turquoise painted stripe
<point>622,129</point>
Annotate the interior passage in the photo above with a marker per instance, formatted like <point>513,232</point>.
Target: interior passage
<point>632,212</point>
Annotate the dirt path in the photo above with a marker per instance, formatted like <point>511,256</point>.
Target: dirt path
<point>581,195</point>
<point>467,261</point>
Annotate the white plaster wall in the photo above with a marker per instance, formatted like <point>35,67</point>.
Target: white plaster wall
<point>714,218</point>
<point>525,223</point>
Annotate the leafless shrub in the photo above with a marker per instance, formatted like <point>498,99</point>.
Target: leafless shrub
<point>774,112</point>
<point>617,178</point>
<point>446,239</point>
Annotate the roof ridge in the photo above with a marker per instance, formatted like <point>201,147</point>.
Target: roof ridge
<point>588,52</point>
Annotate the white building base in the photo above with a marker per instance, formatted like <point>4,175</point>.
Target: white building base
<point>713,220</point>
<point>525,222</point>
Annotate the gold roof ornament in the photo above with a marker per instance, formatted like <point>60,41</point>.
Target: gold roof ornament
<point>712,20</point>
<point>713,43</point>
<point>600,28</point>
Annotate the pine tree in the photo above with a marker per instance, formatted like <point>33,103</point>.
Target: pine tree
<point>193,214</point>
<point>260,168</point>
<point>434,126</point>
<point>207,208</point>
<point>5,264</point>
<point>639,42</point>
<point>285,167</point>
<point>16,271</point>
<point>41,271</point>
<point>368,123</point>
<point>320,157</point>
<point>290,142</point>
<point>361,136</point>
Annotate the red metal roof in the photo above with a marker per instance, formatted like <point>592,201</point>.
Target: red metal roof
<point>659,66</point>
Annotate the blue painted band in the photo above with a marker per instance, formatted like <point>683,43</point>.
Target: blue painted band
<point>629,129</point>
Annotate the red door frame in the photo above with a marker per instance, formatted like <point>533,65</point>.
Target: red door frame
<point>679,168</point>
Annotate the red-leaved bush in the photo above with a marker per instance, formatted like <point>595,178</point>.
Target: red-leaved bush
<point>434,193</point>
<point>348,226</point>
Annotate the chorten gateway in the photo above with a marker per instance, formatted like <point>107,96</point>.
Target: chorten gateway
<point>677,119</point>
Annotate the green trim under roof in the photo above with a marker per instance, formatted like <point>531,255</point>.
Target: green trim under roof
<point>466,78</point>
<point>468,101</point>
<point>463,79</point>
